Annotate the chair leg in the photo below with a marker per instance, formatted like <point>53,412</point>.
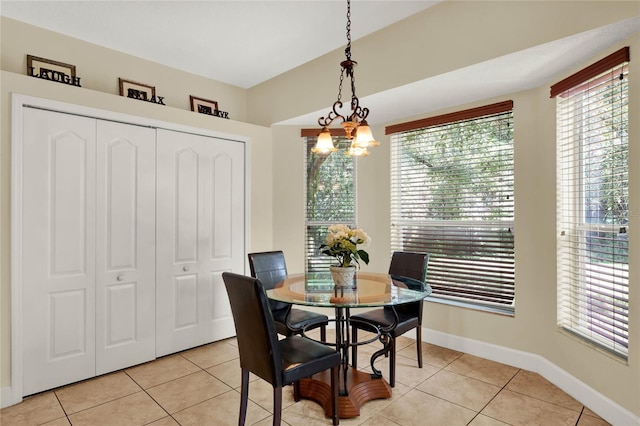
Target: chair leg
<point>392,363</point>
<point>244,397</point>
<point>334,396</point>
<point>296,390</point>
<point>323,333</point>
<point>354,348</point>
<point>419,345</point>
<point>277,406</point>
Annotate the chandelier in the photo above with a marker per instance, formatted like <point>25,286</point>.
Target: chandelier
<point>355,123</point>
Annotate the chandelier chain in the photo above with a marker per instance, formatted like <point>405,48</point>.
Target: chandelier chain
<point>347,51</point>
<point>340,85</point>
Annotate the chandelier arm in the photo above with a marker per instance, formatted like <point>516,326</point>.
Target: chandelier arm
<point>361,112</point>
<point>332,116</point>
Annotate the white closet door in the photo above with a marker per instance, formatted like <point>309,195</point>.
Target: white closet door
<point>58,257</point>
<point>125,256</point>
<point>200,234</point>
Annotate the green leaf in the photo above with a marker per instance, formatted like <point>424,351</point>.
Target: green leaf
<point>364,256</point>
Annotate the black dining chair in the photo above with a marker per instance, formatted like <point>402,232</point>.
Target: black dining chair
<point>270,268</point>
<point>403,264</point>
<point>279,362</point>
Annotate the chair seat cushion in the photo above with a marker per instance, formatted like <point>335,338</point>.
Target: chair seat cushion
<point>373,319</point>
<point>300,318</point>
<point>302,357</point>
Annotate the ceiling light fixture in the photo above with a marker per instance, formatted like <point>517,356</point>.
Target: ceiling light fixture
<point>354,124</point>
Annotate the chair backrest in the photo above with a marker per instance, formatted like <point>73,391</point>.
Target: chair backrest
<point>270,268</point>
<point>255,330</point>
<point>411,265</point>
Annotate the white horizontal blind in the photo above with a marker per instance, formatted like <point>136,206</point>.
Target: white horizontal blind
<point>593,268</point>
<point>452,197</point>
<point>330,196</point>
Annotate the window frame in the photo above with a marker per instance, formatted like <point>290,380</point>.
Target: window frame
<point>591,293</point>
<point>486,112</point>
<point>320,262</point>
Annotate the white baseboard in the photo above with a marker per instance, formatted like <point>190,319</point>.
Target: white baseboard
<point>601,405</point>
<point>7,397</point>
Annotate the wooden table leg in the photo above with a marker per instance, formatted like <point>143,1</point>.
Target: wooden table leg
<point>361,387</point>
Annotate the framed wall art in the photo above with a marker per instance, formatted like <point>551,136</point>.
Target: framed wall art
<point>48,69</point>
<point>139,91</point>
<point>132,89</point>
<point>206,106</point>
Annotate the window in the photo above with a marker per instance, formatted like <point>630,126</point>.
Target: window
<point>452,197</point>
<point>593,194</point>
<point>330,196</point>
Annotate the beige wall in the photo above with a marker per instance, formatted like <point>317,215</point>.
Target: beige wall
<point>533,329</point>
<point>99,69</point>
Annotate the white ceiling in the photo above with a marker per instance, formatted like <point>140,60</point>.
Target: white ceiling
<point>237,42</point>
<point>247,42</point>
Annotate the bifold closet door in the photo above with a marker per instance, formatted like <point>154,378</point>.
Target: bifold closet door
<point>200,234</point>
<point>125,259</point>
<point>58,249</point>
<point>88,247</point>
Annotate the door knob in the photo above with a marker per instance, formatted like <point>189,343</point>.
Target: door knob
<point>185,268</point>
<point>120,277</point>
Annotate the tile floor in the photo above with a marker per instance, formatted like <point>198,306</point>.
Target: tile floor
<point>201,387</point>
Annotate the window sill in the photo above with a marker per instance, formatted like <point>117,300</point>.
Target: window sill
<point>500,310</point>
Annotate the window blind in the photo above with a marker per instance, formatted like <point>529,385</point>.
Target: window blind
<point>452,197</point>
<point>330,197</point>
<point>593,268</point>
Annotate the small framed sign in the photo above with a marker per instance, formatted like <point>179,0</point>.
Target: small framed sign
<point>52,70</point>
<point>206,106</point>
<point>139,91</point>
<point>131,89</point>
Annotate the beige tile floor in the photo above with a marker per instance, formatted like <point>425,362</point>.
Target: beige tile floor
<point>201,387</point>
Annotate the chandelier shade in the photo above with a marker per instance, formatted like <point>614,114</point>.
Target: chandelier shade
<point>364,137</point>
<point>324,145</point>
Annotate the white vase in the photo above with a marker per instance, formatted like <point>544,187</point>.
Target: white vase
<point>343,276</point>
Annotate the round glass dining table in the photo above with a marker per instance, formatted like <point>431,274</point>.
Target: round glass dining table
<point>370,290</point>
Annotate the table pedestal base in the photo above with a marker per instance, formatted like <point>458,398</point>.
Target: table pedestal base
<point>361,387</point>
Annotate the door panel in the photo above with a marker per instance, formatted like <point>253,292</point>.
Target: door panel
<point>200,234</point>
<point>68,192</point>
<point>58,272</point>
<point>125,259</point>
<point>185,302</point>
<point>121,313</point>
<point>222,199</point>
<point>67,322</point>
<point>186,206</point>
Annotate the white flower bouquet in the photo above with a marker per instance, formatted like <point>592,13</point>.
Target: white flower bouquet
<point>342,243</point>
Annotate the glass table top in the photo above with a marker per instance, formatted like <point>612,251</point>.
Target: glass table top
<point>372,289</point>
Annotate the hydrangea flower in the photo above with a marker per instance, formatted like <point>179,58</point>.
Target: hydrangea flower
<point>342,243</point>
